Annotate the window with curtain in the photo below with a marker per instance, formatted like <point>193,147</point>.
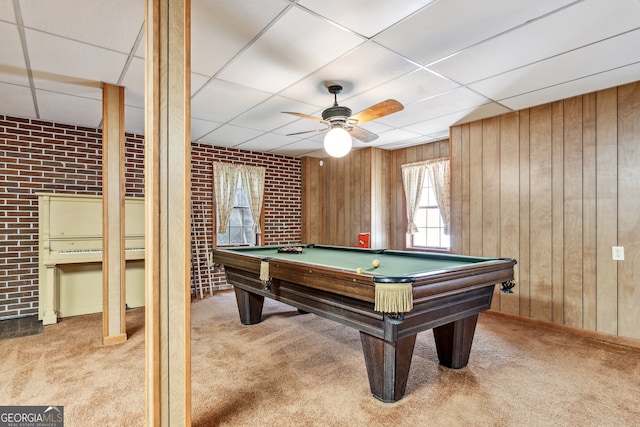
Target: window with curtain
<point>426,187</point>
<point>239,230</point>
<point>239,191</point>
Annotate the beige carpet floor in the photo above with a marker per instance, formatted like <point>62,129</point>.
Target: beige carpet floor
<point>302,370</point>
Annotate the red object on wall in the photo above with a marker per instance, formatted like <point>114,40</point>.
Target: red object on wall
<point>363,240</point>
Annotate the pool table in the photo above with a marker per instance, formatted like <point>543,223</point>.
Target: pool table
<point>446,293</point>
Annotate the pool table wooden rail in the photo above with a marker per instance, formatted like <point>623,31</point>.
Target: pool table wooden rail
<point>348,283</point>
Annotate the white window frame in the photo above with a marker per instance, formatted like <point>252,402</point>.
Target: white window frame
<point>241,211</point>
<point>427,215</point>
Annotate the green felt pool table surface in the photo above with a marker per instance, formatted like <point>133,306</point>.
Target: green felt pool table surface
<point>392,263</point>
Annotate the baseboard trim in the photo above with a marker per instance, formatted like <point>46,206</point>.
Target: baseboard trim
<point>597,336</point>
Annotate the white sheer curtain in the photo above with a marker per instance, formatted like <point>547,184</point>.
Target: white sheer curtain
<point>439,176</point>
<point>253,181</point>
<point>412,180</point>
<point>225,183</point>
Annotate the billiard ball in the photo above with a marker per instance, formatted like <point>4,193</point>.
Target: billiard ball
<point>375,263</point>
<point>359,270</point>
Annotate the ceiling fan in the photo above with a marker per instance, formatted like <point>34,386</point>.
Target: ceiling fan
<point>342,125</point>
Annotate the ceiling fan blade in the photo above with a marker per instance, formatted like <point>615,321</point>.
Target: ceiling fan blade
<point>381,109</point>
<point>306,131</point>
<point>362,134</point>
<point>304,116</point>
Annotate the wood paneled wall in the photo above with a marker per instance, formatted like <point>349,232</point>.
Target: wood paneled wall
<point>398,211</point>
<point>345,196</point>
<point>556,186</point>
<point>361,192</point>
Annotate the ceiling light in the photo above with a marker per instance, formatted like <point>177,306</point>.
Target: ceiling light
<point>337,142</point>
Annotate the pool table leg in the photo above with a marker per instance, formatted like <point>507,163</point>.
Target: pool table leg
<point>453,341</point>
<point>249,306</point>
<point>388,365</point>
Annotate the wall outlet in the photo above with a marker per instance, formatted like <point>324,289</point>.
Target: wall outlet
<point>617,253</point>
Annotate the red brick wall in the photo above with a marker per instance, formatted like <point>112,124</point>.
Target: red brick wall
<point>37,156</point>
<point>282,199</point>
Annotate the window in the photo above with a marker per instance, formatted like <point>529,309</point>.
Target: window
<point>427,198</point>
<point>238,195</point>
<point>428,219</point>
<point>240,228</point>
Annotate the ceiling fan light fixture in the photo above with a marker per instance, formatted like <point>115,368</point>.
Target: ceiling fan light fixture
<point>337,142</point>
<point>343,125</point>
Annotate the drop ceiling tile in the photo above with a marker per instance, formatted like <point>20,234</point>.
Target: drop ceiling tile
<point>415,141</point>
<point>199,128</point>
<point>365,17</point>
<point>439,136</point>
<point>353,72</point>
<point>134,119</point>
<point>221,29</point>
<point>112,24</point>
<point>296,45</point>
<point>356,144</point>
<point>198,81</point>
<point>268,115</point>
<point>542,39</point>
<point>7,13</point>
<point>267,142</point>
<point>293,53</point>
<point>446,27</point>
<point>407,89</point>
<point>12,65</point>
<point>590,60</point>
<point>315,137</point>
<point>416,86</point>
<point>449,102</point>
<point>229,136</point>
<point>394,135</point>
<point>64,65</point>
<point>437,125</point>
<point>139,52</point>
<point>221,101</point>
<point>301,125</point>
<point>303,148</point>
<point>313,90</point>
<point>133,82</point>
<point>16,101</point>
<point>482,112</point>
<point>611,78</point>
<point>68,109</point>
<point>376,127</point>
